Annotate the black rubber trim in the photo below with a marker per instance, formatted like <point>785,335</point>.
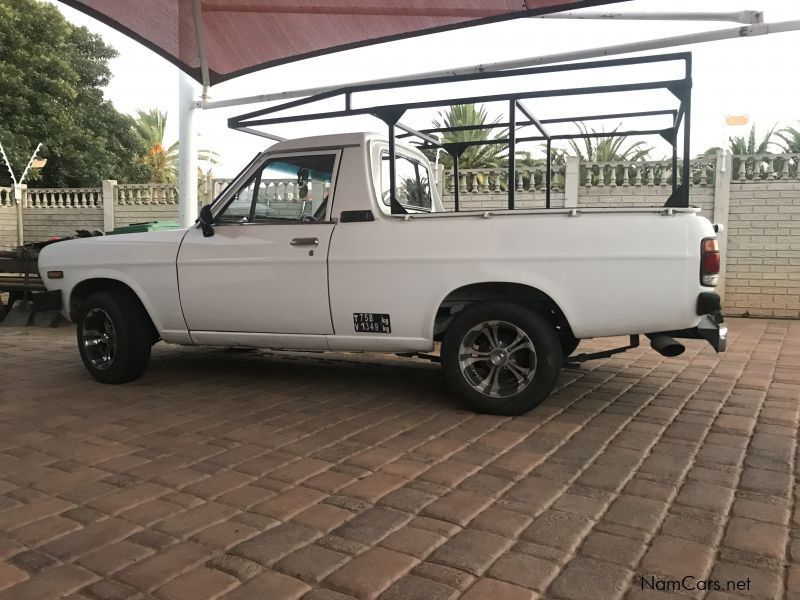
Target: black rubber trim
<point>356,216</point>
<point>708,303</point>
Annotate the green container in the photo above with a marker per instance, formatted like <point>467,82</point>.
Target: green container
<point>143,227</point>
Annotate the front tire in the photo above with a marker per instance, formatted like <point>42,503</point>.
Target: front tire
<point>114,336</point>
<point>501,357</point>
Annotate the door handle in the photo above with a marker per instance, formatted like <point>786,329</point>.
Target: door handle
<point>308,241</point>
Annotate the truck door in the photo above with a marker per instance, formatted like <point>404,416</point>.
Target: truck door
<point>265,268</point>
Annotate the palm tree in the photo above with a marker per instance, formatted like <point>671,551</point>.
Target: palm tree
<point>162,163</point>
<point>607,149</point>
<point>748,145</point>
<point>474,157</point>
<point>790,136</point>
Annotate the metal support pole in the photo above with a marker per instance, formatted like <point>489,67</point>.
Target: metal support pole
<point>395,206</point>
<point>687,120</point>
<point>19,198</point>
<point>456,181</point>
<point>188,107</point>
<point>512,152</point>
<point>548,174</point>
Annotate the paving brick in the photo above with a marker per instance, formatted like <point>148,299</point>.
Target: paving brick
<point>112,558</point>
<point>92,537</point>
<point>412,587</point>
<point>287,504</point>
<point>707,496</point>
<point>275,543</point>
<point>128,497</point>
<point>238,567</point>
<point>53,583</point>
<point>156,570</point>
<point>589,579</point>
<point>455,578</point>
<point>10,575</point>
<point>198,584</point>
<point>184,524</point>
<point>524,570</point>
<point>32,561</point>
<point>370,573</point>
<point>678,557</point>
<point>458,507</point>
<point>500,590</point>
<point>311,563</point>
<point>373,487</point>
<point>413,541</point>
<point>637,512</point>
<point>225,535</point>
<point>502,522</point>
<point>323,517</point>
<point>471,550</point>
<point>110,590</point>
<point>269,584</point>
<point>449,473</point>
<point>757,537</point>
<point>19,516</point>
<point>372,525</point>
<point>613,548</point>
<point>557,529</point>
<point>46,529</point>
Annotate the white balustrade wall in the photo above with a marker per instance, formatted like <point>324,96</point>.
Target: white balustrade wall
<point>756,197</point>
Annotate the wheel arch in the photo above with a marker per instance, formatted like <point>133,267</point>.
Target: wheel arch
<point>527,295</point>
<point>84,289</point>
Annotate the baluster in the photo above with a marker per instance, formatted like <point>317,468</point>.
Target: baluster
<point>770,167</point>
<point>785,167</point>
<point>520,176</point>
<point>613,176</point>
<point>498,175</point>
<point>742,169</point>
<point>703,175</point>
<point>589,168</point>
<point>601,175</point>
<point>638,181</point>
<point>625,176</point>
<point>462,182</point>
<point>60,201</point>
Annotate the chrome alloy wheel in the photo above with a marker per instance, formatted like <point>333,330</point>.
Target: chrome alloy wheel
<point>99,339</point>
<point>497,359</point>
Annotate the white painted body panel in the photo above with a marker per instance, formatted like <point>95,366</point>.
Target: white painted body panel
<point>145,262</point>
<point>611,271</point>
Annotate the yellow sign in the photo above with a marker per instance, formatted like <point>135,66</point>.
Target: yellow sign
<point>737,119</point>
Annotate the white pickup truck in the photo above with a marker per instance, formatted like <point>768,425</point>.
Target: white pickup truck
<point>508,293</point>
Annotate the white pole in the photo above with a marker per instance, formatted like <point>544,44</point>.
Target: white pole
<point>188,107</point>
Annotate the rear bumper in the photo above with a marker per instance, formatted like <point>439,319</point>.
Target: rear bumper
<point>710,327</point>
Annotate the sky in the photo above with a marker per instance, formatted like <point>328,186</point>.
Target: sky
<point>755,76</point>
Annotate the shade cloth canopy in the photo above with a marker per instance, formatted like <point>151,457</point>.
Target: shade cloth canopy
<point>242,36</point>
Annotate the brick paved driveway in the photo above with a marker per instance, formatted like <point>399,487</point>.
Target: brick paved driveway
<point>249,475</point>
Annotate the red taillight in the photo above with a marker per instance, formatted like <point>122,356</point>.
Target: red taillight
<point>709,262</point>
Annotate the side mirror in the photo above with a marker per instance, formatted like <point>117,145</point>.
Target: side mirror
<point>206,220</point>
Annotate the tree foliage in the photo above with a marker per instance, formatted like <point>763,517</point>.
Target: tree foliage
<point>474,157</point>
<point>160,161</point>
<point>52,76</point>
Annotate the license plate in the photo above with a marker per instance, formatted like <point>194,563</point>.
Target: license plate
<point>372,323</point>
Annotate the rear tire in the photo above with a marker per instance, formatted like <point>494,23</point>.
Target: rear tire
<point>114,336</point>
<point>502,358</point>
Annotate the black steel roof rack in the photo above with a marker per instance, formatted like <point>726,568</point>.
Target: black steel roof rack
<point>391,114</point>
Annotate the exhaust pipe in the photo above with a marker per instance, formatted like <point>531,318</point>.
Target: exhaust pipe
<point>665,345</point>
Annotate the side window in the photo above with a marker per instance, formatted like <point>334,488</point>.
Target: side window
<point>412,183</point>
<point>286,189</point>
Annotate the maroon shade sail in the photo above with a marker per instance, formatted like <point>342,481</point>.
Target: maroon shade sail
<point>242,36</point>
